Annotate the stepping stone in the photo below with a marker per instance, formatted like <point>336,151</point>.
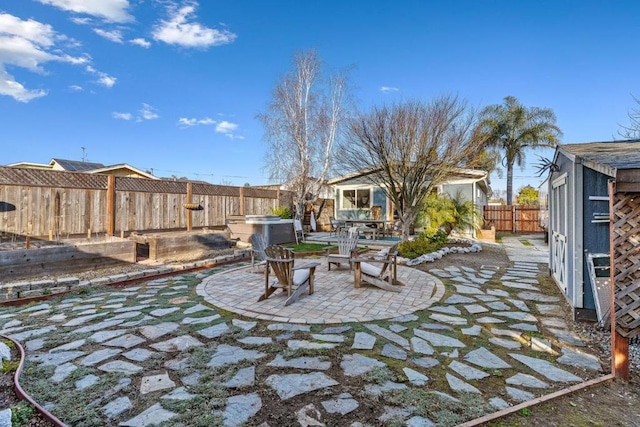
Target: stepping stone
<point>516,315</point>
<point>525,327</point>
<point>102,336</point>
<point>554,322</point>
<point>125,341</point>
<point>452,320</point>
<point>241,408</point>
<point>290,385</point>
<point>415,377</point>
<point>517,285</point>
<point>451,354</point>
<point>505,343</point>
<point>38,307</point>
<point>438,340</point>
<point>475,330</point>
<point>163,311</point>
<point>99,356</point>
<point>256,340</point>
<point>540,344</point>
<point>177,364</point>
<point>550,310</point>
<point>449,309</point>
<point>55,359</point>
<point>498,292</point>
<point>63,371</point>
<point>308,415</point>
<point>390,350</point>
<point>215,331</point>
<point>459,299</point>
<point>355,365</point>
<point>180,393</point>
<point>245,377</point>
<point>117,407</point>
<point>158,382</point>
<point>526,380</point>
<point>391,336</point>
<point>58,318</point>
<point>546,369</point>
<point>99,326</point>
<point>426,362</point>
<point>489,319</point>
<point>336,330</point>
<point>86,382</point>
<point>498,305</point>
<point>519,395</point>
<point>34,345</point>
<point>377,389</point>
<point>77,321</point>
<point>120,367</point>
<point>394,412</point>
<point>458,385</point>
<point>534,296</point>
<point>469,290</point>
<point>300,363</point>
<point>309,345</point>
<point>328,337</point>
<point>196,308</point>
<point>397,328</point>
<point>199,320</point>
<point>155,414</point>
<point>485,359</point>
<point>289,327</point>
<point>22,336</point>
<point>567,337</point>
<point>192,379</point>
<point>466,371</point>
<point>340,406</point>
<point>129,315</point>
<point>475,308</point>
<point>577,358</point>
<point>227,354</point>
<point>70,346</point>
<point>487,298</point>
<point>418,345</point>
<point>154,332</point>
<point>498,403</point>
<point>506,333</point>
<point>405,318</point>
<point>418,421</point>
<point>139,354</point>
<point>181,343</point>
<point>242,324</point>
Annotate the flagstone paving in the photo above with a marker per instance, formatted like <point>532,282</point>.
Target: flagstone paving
<point>472,343</point>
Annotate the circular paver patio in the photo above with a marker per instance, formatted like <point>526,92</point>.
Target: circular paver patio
<point>335,300</point>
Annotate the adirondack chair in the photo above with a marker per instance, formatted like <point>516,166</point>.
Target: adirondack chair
<point>259,243</point>
<point>347,249</point>
<point>295,280</point>
<point>337,226</point>
<point>383,276</point>
<point>297,228</point>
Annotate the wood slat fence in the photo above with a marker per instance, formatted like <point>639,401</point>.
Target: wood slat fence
<point>515,219</point>
<point>42,203</point>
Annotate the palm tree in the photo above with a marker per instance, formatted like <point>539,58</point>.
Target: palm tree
<point>512,127</point>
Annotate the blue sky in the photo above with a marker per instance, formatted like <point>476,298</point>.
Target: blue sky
<point>175,86</point>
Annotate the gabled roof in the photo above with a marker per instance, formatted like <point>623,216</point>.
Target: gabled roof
<point>75,165</point>
<point>106,169</point>
<point>605,157</point>
<point>459,173</point>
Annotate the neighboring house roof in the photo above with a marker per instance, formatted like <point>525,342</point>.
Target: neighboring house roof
<point>605,157</point>
<point>123,166</point>
<point>75,165</point>
<point>87,167</point>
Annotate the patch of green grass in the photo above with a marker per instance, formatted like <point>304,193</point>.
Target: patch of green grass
<point>307,247</point>
<point>21,414</point>
<point>9,366</point>
<point>526,243</point>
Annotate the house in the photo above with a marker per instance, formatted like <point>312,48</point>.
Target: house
<point>579,223</point>
<point>123,169</point>
<point>355,195</point>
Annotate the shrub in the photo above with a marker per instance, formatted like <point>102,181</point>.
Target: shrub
<point>423,244</point>
<point>283,212</point>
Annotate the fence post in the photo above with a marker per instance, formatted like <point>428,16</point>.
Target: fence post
<point>111,205</point>
<point>241,200</point>
<point>513,218</point>
<point>189,212</point>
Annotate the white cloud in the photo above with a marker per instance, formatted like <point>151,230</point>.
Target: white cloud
<point>121,116</point>
<point>227,129</point>
<point>185,122</point>
<point>180,29</point>
<point>114,35</point>
<point>388,89</point>
<point>28,44</point>
<point>76,88</point>
<point>82,21</point>
<point>103,78</point>
<point>140,42</point>
<point>109,10</point>
<point>147,112</point>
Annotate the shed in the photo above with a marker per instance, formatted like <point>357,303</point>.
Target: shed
<point>579,222</point>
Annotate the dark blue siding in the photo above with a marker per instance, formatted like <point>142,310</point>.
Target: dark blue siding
<point>380,199</point>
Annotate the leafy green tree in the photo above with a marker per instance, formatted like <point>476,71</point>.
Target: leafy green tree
<point>528,196</point>
<point>449,213</point>
<point>512,128</point>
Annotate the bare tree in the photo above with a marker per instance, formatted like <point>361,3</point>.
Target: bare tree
<point>411,147</point>
<point>302,122</point>
<point>632,130</point>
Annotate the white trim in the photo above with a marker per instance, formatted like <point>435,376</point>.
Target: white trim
<point>561,180</point>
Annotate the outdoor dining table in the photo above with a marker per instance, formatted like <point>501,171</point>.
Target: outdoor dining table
<point>380,225</point>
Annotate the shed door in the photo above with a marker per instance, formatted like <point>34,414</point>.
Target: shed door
<point>560,221</point>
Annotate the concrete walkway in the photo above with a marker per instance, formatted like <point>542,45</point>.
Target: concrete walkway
<point>159,353</point>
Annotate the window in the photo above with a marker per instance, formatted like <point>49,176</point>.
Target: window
<point>356,199</point>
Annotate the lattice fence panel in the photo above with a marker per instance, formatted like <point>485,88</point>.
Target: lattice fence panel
<point>626,251</point>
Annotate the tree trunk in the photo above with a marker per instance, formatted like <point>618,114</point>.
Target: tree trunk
<point>509,183</point>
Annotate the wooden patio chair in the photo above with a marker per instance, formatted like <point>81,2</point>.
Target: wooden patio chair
<point>298,230</point>
<point>383,276</point>
<point>259,243</point>
<point>336,226</point>
<point>347,248</point>
<point>295,280</point>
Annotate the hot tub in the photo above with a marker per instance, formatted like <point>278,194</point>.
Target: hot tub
<point>276,230</point>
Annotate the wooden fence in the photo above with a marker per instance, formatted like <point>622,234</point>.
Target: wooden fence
<point>515,219</point>
<point>42,203</point>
